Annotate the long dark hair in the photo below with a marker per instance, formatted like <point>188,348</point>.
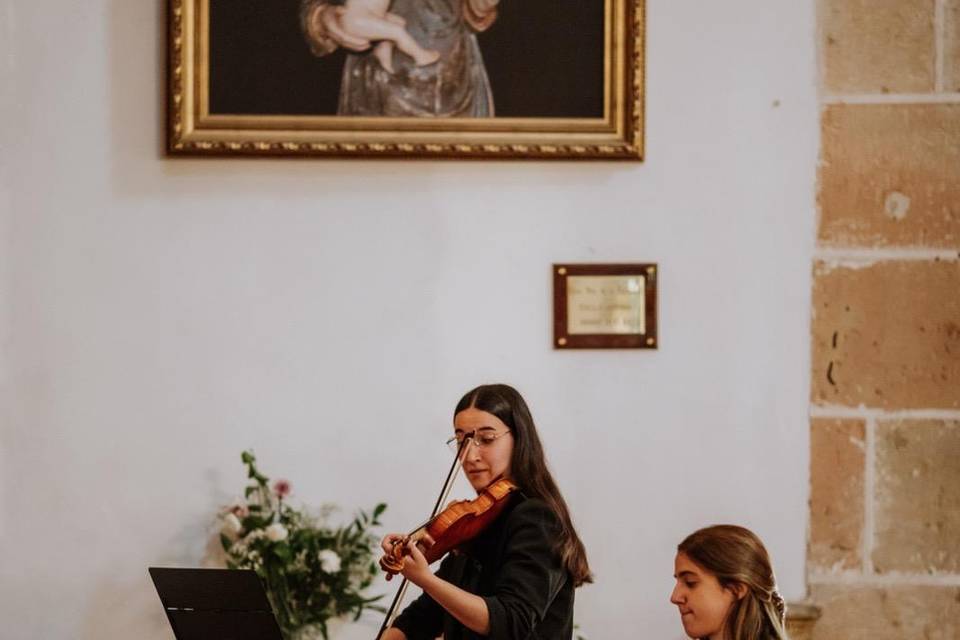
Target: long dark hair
<point>736,555</point>
<point>528,467</point>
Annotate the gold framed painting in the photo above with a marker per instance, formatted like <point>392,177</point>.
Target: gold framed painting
<point>407,78</point>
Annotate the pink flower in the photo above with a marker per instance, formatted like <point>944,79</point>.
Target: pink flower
<point>281,488</point>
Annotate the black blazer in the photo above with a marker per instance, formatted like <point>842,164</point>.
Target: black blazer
<point>514,567</point>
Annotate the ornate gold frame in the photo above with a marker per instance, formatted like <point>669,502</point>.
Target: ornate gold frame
<point>192,130</point>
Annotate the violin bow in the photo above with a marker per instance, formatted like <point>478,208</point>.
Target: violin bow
<point>444,492</point>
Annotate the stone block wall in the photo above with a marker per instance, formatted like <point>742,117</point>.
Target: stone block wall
<point>884,543</point>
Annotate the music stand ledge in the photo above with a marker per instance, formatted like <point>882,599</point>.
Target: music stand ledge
<point>215,604</point>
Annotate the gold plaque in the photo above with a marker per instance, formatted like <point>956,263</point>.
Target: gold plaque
<point>605,306</point>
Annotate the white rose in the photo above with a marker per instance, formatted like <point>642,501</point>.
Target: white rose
<point>276,532</point>
<point>329,561</point>
<point>231,525</point>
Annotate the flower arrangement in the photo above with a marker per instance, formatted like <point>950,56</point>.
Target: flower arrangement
<point>311,572</point>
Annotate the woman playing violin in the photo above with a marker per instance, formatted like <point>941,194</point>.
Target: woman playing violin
<point>516,578</point>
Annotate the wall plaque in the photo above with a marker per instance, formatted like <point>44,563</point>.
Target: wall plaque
<point>605,306</point>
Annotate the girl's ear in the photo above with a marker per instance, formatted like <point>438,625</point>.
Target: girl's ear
<point>739,590</point>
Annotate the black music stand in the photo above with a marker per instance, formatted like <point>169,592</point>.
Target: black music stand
<point>215,604</point>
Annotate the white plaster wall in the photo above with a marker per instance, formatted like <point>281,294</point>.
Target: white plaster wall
<point>6,219</point>
<point>166,314</point>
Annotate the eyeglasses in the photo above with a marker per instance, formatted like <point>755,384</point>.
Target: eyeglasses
<point>481,440</point>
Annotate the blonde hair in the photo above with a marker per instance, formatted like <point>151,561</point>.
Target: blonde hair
<point>736,556</point>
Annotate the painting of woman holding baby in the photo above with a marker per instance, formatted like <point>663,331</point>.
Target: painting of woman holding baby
<point>405,57</point>
<point>445,78</point>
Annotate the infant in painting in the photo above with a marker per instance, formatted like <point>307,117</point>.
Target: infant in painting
<point>372,20</point>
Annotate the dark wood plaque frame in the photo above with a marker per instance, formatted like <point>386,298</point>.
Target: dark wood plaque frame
<point>564,340</point>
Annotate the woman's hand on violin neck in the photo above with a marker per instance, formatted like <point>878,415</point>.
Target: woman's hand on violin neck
<point>390,540</point>
<point>415,567</point>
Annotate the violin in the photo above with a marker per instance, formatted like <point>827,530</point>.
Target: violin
<point>460,522</point>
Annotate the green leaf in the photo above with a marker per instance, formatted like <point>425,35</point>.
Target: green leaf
<point>225,542</point>
<point>252,522</point>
